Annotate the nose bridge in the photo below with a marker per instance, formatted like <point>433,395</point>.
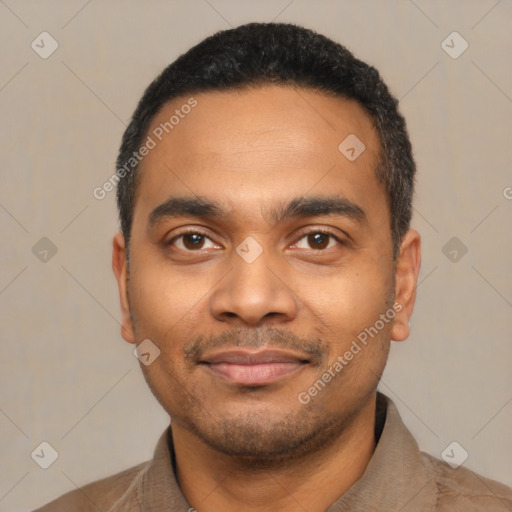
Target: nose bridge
<point>252,291</point>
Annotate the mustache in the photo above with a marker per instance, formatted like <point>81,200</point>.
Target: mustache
<point>315,348</point>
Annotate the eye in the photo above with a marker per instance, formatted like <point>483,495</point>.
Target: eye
<point>317,240</point>
<point>192,241</point>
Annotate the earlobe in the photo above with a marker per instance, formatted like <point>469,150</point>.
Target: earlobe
<point>406,279</point>
<point>120,268</point>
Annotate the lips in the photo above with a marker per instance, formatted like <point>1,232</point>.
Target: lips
<point>253,368</point>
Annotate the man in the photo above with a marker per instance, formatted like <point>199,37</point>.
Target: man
<point>265,262</point>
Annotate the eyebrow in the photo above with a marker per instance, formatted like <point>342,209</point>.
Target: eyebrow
<point>299,207</point>
<point>315,206</point>
<point>185,207</point>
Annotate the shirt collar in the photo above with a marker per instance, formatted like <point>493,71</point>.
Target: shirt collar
<point>397,477</point>
<point>159,489</point>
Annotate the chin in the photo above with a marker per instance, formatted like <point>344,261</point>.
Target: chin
<point>260,439</point>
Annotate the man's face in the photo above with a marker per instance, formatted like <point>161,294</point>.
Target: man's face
<point>246,326</point>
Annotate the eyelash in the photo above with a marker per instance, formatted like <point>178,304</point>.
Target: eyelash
<point>195,231</point>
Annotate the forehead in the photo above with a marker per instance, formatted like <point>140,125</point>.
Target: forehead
<point>246,147</point>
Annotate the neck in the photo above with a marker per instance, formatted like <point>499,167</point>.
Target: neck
<point>213,481</point>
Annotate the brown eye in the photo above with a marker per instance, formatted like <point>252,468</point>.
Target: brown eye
<point>317,240</point>
<point>193,241</point>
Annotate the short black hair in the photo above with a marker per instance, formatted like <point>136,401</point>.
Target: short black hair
<point>278,53</point>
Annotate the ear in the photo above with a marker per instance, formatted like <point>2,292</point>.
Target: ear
<point>406,279</point>
<point>119,266</point>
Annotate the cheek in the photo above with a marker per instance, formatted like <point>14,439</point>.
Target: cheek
<point>350,300</point>
<point>350,316</point>
<point>165,309</point>
<point>164,301</point>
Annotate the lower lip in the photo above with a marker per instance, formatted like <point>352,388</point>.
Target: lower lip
<point>254,374</point>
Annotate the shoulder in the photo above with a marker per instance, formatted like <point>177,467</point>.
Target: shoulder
<point>467,491</point>
<point>102,494</point>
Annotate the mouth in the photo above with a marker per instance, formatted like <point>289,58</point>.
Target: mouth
<point>253,368</point>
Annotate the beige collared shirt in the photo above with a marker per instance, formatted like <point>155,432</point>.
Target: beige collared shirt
<point>398,478</point>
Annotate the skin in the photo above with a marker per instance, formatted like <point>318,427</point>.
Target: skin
<point>258,448</point>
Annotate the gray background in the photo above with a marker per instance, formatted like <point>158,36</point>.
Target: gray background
<point>66,375</point>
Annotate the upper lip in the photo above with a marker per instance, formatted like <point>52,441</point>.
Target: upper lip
<point>239,356</point>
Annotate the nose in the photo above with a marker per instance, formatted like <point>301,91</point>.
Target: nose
<point>253,294</point>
